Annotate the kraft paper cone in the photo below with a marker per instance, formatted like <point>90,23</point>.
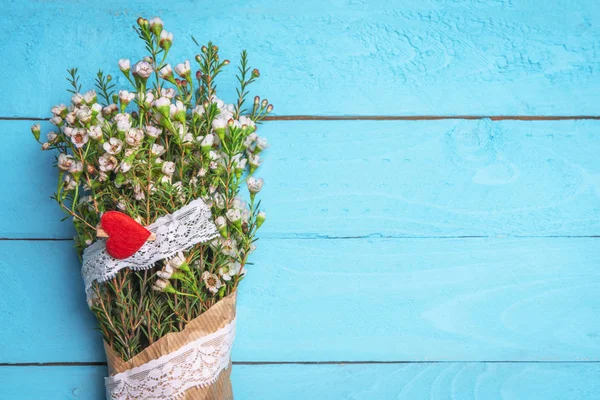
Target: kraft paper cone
<point>218,316</point>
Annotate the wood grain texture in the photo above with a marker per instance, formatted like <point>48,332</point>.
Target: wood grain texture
<point>348,300</point>
<point>380,178</point>
<point>457,381</point>
<point>331,58</point>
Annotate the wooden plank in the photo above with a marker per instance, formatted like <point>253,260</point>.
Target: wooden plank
<point>533,299</point>
<point>380,178</point>
<point>460,381</point>
<point>331,58</point>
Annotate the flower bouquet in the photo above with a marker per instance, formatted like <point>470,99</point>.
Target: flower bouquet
<point>151,177</point>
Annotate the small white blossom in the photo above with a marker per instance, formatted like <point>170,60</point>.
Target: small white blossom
<point>79,137</point>
<point>77,99</point>
<point>157,149</point>
<point>107,162</point>
<point>56,120</point>
<point>168,93</point>
<point>124,166</point>
<point>142,69</point>
<point>254,184</point>
<point>212,282</point>
<point>153,131</point>
<point>65,161</point>
<point>166,71</point>
<point>59,109</point>
<point>84,115</point>
<point>166,39</point>
<point>70,184</point>
<point>113,146</point>
<point>90,97</point>
<point>234,215</point>
<point>95,132</point>
<point>183,69</point>
<point>160,285</point>
<point>134,137</point>
<point>76,167</point>
<point>124,65</point>
<point>126,97</point>
<point>52,136</point>
<point>168,168</point>
<point>166,272</point>
<point>123,122</point>
<point>177,260</point>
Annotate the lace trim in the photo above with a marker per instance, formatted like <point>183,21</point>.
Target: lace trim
<point>175,232</point>
<point>197,364</point>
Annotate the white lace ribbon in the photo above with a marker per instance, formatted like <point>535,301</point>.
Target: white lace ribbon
<point>175,232</point>
<point>196,364</point>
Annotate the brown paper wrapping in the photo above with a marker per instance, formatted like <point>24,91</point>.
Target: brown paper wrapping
<point>219,315</point>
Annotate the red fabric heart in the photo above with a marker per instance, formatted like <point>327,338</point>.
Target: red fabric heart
<point>125,235</point>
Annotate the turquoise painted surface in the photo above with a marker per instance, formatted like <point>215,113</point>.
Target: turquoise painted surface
<point>335,57</point>
<point>384,178</point>
<point>474,243</point>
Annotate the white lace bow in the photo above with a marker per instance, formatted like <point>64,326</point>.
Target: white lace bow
<point>175,232</point>
<point>196,364</point>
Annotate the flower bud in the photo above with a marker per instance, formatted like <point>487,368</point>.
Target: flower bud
<point>156,26</point>
<point>183,69</point>
<point>269,108</point>
<point>204,49</point>
<point>260,218</point>
<point>142,22</point>
<point>256,100</point>
<point>255,73</point>
<point>35,129</point>
<point>264,103</point>
<point>163,105</point>
<point>166,40</point>
<point>124,66</point>
<point>221,224</point>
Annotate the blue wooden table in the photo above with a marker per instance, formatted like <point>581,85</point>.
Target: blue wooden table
<point>433,190</point>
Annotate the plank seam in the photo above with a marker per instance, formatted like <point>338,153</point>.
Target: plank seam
<point>102,364</point>
<point>325,237</point>
<point>392,118</point>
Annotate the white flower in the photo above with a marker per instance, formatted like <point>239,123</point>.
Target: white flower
<point>261,144</point>
<point>107,162</point>
<point>59,109</point>
<point>138,193</point>
<point>163,104</point>
<point>213,155</point>
<point>244,120</point>
<point>79,137</point>
<point>146,98</point>
<point>125,96</point>
<point>70,184</point>
<point>178,111</point>
<point>208,141</point>
<point>113,146</point>
<point>254,184</point>
<point>84,115</point>
<point>160,285</point>
<point>168,168</point>
<point>71,118</point>
<point>166,272</point>
<point>177,260</point>
<point>249,141</point>
<point>220,222</point>
<point>156,25</point>
<point>202,172</point>
<point>234,215</point>
<point>212,282</point>
<point>110,109</point>
<point>124,65</point>
<point>125,166</point>
<point>90,97</point>
<point>166,71</point>
<point>219,201</point>
<point>56,120</point>
<point>166,39</point>
<point>183,69</point>
<point>76,167</point>
<point>260,218</point>
<point>96,109</point>
<point>219,123</point>
<point>166,179</point>
<point>123,122</point>
<point>254,161</point>
<point>229,247</point>
<point>122,205</point>
<point>168,93</point>
<point>134,137</point>
<point>95,132</point>
<point>225,273</point>
<point>157,149</point>
<point>65,161</point>
<point>153,131</point>
<point>52,136</point>
<point>143,69</point>
<point>77,99</point>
